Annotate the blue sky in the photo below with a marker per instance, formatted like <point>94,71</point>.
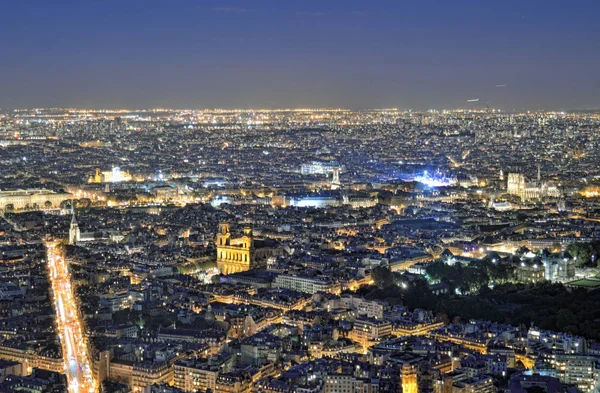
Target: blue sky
<point>251,54</point>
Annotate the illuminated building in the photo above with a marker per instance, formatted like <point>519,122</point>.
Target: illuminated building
<point>348,383</point>
<point>74,232</point>
<point>366,331</point>
<point>32,199</point>
<point>499,206</point>
<point>244,253</point>
<point>409,379</point>
<point>147,373</point>
<point>234,255</point>
<point>556,341</point>
<point>165,193</point>
<point>30,358</point>
<point>231,383</point>
<point>335,179</point>
<point>196,374</point>
<point>558,267</point>
<point>319,168</point>
<point>516,185</point>
<point>580,370</point>
<point>530,271</point>
<point>115,175</point>
<point>446,381</point>
<point>359,201</point>
<point>476,384</point>
<point>310,285</point>
<point>314,200</point>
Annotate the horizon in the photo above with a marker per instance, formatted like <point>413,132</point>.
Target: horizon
<point>306,109</point>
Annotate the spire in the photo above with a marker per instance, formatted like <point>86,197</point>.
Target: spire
<point>539,178</point>
<point>74,233</point>
<point>73,217</point>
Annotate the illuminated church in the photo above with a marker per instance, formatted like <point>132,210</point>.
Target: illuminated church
<point>516,185</point>
<point>236,255</point>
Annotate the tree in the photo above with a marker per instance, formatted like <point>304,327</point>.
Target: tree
<point>9,208</point>
<point>83,203</point>
<point>382,276</point>
<point>582,251</point>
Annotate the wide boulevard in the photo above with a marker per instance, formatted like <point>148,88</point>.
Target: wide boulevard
<point>77,363</point>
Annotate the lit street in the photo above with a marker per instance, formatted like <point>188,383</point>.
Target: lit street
<point>77,365</point>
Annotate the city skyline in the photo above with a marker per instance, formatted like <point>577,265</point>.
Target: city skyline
<point>316,250</point>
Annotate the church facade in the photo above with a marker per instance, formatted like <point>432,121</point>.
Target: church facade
<point>517,185</point>
<point>234,255</point>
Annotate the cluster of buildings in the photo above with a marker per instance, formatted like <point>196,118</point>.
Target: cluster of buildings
<point>238,251</point>
<point>30,353</point>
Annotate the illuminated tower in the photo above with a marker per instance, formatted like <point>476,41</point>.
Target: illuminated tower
<point>539,177</point>
<point>223,235</point>
<point>335,179</point>
<point>501,174</point>
<point>516,184</point>
<point>74,233</point>
<point>409,379</point>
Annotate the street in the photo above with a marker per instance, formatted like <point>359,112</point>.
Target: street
<point>77,363</point>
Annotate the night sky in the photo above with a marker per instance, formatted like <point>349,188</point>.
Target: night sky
<point>284,53</point>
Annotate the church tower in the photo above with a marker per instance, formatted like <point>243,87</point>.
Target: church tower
<point>223,235</point>
<point>247,239</point>
<point>335,179</point>
<point>74,233</point>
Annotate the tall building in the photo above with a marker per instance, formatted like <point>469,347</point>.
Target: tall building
<point>409,379</point>
<point>74,232</point>
<point>234,255</point>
